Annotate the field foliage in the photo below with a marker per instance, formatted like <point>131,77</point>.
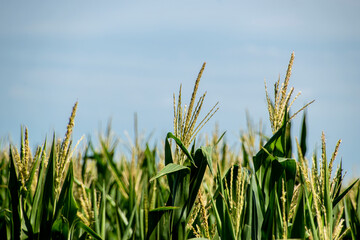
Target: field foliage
<point>181,190</point>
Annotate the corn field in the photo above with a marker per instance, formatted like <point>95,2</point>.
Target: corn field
<point>181,190</point>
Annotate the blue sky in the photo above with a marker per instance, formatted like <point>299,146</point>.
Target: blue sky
<point>121,57</point>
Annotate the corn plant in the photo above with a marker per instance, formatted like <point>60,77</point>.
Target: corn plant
<point>40,187</point>
<point>185,171</point>
<point>262,191</point>
<point>323,196</point>
<point>352,212</point>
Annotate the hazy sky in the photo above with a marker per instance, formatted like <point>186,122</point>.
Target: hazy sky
<point>121,57</point>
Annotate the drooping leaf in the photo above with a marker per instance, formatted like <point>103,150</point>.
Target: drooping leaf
<point>273,144</point>
<point>170,168</point>
<point>207,153</point>
<point>79,224</point>
<point>181,145</point>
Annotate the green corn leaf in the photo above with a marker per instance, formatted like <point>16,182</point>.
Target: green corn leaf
<point>181,145</point>
<point>249,212</point>
<point>15,199</point>
<point>303,135</point>
<point>224,224</point>
<point>342,195</point>
<point>338,179</point>
<point>170,168</point>
<point>192,151</point>
<point>220,138</point>
<point>227,230</point>
<point>273,144</point>
<point>116,174</point>
<point>217,216</point>
<point>207,153</point>
<point>79,224</point>
<point>165,208</point>
<point>67,204</point>
<point>155,217</point>
<point>48,195</point>
<point>309,211</point>
<point>29,229</point>
<point>149,164</point>
<point>85,160</point>
<point>358,203</point>
<point>33,170</point>
<point>101,163</point>
<point>168,155</point>
<point>128,230</point>
<point>327,198</point>
<point>181,197</point>
<point>95,210</point>
<point>103,211</point>
<point>288,166</point>
<point>298,228</point>
<point>245,156</point>
<point>169,160</point>
<point>352,219</point>
<point>198,239</point>
<point>267,226</point>
<point>119,216</point>
<point>60,228</point>
<point>202,159</point>
<point>286,140</point>
<point>258,209</point>
<point>36,212</point>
